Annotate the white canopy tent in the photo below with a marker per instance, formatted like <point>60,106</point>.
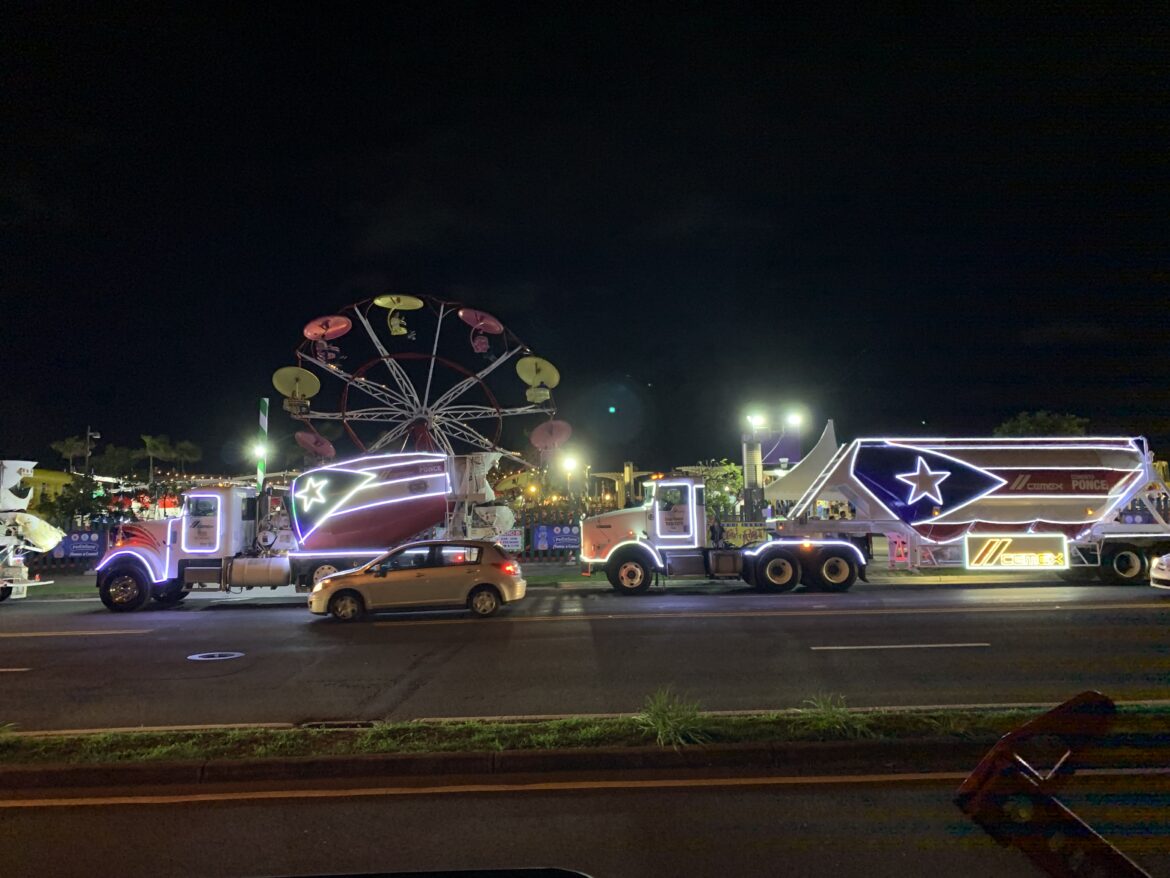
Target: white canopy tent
<point>792,485</point>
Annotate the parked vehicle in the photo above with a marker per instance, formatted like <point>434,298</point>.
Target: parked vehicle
<point>1160,572</point>
<point>20,532</point>
<point>463,573</point>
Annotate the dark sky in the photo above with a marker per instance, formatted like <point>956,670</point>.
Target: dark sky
<point>888,219</point>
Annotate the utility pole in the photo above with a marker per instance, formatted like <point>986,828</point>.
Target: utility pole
<point>89,434</point>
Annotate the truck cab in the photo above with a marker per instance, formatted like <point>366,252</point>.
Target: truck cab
<point>668,536</point>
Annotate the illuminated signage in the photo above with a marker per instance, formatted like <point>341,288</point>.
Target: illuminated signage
<point>1016,552</point>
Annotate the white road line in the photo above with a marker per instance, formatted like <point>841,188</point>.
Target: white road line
<point>908,646</point>
<point>109,633</point>
<point>13,670</point>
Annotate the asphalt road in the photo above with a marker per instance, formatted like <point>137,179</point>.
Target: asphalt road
<point>69,665</point>
<point>834,829</point>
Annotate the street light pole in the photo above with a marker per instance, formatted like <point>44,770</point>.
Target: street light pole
<point>89,434</point>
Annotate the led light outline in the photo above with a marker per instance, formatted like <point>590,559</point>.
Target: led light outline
<point>337,511</point>
<point>316,486</point>
<point>693,536</point>
<point>218,526</point>
<point>936,487</point>
<point>803,544</point>
<point>963,463</point>
<point>339,553</point>
<point>1063,541</point>
<point>657,558</point>
<point>145,562</point>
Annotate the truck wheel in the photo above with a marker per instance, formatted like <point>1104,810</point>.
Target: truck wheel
<point>171,594</point>
<point>5,591</point>
<point>834,572</point>
<point>628,573</point>
<point>124,591</point>
<point>1123,565</point>
<point>748,572</point>
<point>778,572</point>
<point>325,568</point>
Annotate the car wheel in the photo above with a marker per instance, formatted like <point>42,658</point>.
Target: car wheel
<point>835,572</point>
<point>777,572</point>
<point>5,592</point>
<point>347,606</point>
<point>1123,565</point>
<point>628,574</point>
<point>124,591</point>
<point>484,601</point>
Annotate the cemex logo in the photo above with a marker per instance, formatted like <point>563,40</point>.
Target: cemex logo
<point>917,484</point>
<point>1060,483</point>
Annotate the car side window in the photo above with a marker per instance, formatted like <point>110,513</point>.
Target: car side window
<point>408,559</point>
<point>456,556</point>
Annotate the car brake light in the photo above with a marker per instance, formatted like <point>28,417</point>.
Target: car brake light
<point>509,567</point>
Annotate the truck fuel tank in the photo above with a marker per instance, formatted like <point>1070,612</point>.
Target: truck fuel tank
<point>258,572</point>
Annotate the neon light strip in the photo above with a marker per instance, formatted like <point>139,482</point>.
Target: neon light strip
<point>145,562</point>
<point>339,553</point>
<point>804,544</point>
<point>337,511</point>
<point>218,525</point>
<point>649,548</point>
<point>974,565</point>
<point>692,536</point>
<point>1017,440</point>
<point>1094,467</point>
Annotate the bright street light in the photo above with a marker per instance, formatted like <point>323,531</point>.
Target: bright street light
<point>259,449</point>
<point>794,419</point>
<point>757,421</point>
<point>569,464</point>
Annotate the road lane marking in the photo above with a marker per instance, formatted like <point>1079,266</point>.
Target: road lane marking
<point>110,632</point>
<point>538,787</point>
<point>13,670</point>
<point>758,614</point>
<point>907,646</point>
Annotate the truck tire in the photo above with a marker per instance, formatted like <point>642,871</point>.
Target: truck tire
<point>777,572</point>
<point>5,592</point>
<point>628,573</point>
<point>125,590</point>
<point>321,570</point>
<point>170,594</point>
<point>833,571</point>
<point>1123,565</point>
<point>748,571</point>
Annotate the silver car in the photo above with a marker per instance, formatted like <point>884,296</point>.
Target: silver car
<point>441,573</point>
<point>1160,572</point>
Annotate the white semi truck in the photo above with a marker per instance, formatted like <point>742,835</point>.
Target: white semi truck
<point>1078,506</point>
<point>20,531</point>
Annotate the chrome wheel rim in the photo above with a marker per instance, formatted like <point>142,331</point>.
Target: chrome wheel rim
<point>778,571</point>
<point>123,589</point>
<point>631,574</point>
<point>835,571</point>
<point>323,571</point>
<point>1126,564</point>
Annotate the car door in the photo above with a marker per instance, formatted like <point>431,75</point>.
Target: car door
<point>400,580</point>
<point>456,573</point>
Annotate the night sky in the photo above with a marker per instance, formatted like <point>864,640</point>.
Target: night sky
<point>887,220</point>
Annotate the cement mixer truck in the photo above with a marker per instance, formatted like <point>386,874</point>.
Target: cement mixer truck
<point>20,531</point>
<point>334,517</point>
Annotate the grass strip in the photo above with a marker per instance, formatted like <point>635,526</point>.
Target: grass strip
<point>817,723</point>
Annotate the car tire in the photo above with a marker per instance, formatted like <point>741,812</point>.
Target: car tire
<point>347,606</point>
<point>777,572</point>
<point>125,590</point>
<point>834,572</point>
<point>1124,565</point>
<point>628,573</point>
<point>5,592</point>
<point>484,601</point>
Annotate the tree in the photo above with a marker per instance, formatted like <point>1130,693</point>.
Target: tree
<point>724,481</point>
<point>186,452</point>
<point>117,461</point>
<point>157,448</point>
<point>1042,423</point>
<point>76,501</point>
<point>71,448</point>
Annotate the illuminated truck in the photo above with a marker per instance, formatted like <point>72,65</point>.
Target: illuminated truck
<point>1081,507</point>
<point>338,516</point>
<point>20,532</point>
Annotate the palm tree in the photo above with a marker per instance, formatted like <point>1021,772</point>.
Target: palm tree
<point>157,447</point>
<point>186,452</point>
<point>70,448</point>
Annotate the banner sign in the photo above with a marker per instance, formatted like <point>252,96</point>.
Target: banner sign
<point>512,540</point>
<point>556,536</point>
<point>80,544</point>
<point>1016,552</point>
<point>742,534</point>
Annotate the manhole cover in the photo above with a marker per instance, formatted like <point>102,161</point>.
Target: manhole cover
<point>214,656</point>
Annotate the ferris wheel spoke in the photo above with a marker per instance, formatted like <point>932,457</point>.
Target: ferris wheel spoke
<point>380,392</point>
<point>434,350</point>
<point>396,371</point>
<point>471,380</point>
<point>389,436</point>
<point>467,433</point>
<point>375,414</point>
<point>465,413</point>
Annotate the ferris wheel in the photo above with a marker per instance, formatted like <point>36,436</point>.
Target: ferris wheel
<point>398,371</point>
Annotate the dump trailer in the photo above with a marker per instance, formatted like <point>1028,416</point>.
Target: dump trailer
<point>1079,506</point>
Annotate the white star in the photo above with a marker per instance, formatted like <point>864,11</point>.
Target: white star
<point>313,492</point>
<point>924,483</point>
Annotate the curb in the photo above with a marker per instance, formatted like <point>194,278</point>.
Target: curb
<point>782,758</point>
